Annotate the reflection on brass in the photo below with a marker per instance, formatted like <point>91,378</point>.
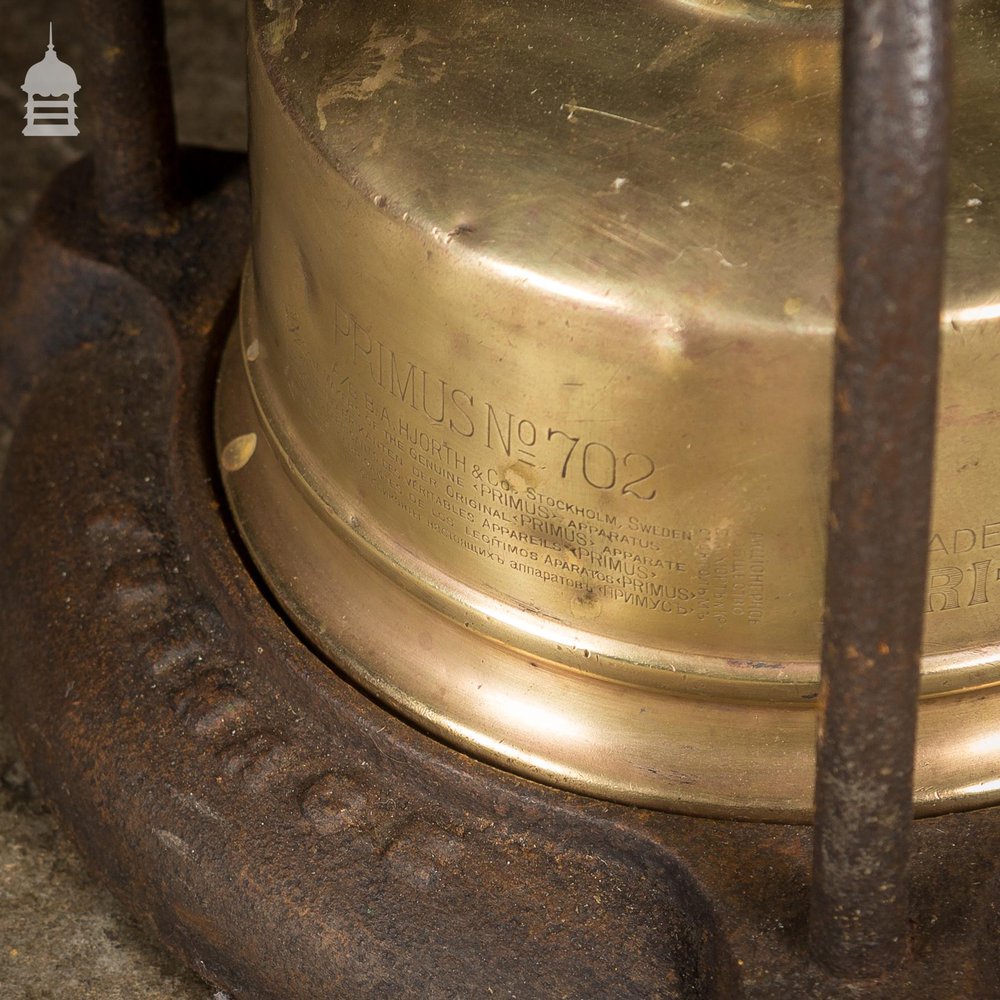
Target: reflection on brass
<point>536,343</point>
<point>806,15</point>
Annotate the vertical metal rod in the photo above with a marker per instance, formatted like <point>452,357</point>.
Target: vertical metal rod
<point>894,149</point>
<point>135,142</point>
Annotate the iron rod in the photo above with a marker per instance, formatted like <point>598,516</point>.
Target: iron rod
<point>894,150</point>
<point>135,147</point>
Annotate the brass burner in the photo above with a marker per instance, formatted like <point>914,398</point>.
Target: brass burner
<point>526,419</point>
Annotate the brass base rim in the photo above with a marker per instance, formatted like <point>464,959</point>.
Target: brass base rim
<point>639,745</point>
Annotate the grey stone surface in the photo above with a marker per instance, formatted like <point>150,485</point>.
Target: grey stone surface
<point>61,934</point>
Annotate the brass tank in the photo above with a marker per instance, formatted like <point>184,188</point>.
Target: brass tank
<point>526,417</point>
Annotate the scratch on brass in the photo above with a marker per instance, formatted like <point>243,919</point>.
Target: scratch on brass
<point>573,110</point>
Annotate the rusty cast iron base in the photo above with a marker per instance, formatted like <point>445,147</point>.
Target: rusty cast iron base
<point>286,835</point>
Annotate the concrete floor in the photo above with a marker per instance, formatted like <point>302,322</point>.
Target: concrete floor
<point>61,934</point>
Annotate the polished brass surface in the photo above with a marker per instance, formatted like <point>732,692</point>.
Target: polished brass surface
<point>526,420</point>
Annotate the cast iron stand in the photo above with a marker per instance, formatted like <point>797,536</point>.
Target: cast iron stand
<point>292,839</point>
